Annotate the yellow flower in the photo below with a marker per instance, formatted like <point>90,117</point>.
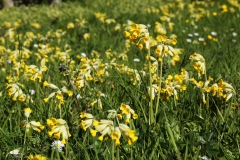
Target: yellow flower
<point>86,36</point>
<point>59,128</point>
<point>27,112</point>
<point>127,133</point>
<point>36,126</point>
<point>70,25</point>
<point>36,25</point>
<point>93,132</point>
<point>36,157</point>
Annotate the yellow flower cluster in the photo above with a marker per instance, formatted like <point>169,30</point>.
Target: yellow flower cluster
<point>57,93</point>
<point>138,33</point>
<point>31,125</point>
<point>108,128</point>
<point>163,48</point>
<point>59,128</point>
<point>32,72</point>
<point>199,63</point>
<point>15,91</point>
<point>36,157</point>
<point>221,89</point>
<point>172,83</point>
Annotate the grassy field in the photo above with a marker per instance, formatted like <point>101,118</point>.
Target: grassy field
<point>100,79</point>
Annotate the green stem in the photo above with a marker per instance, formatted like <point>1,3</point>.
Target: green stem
<point>25,137</point>
<point>151,116</point>
<point>66,150</point>
<point>159,88</point>
<point>113,146</point>
<point>60,110</point>
<point>118,158</point>
<point>207,104</point>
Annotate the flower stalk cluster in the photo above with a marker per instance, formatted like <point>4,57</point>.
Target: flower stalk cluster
<point>111,127</point>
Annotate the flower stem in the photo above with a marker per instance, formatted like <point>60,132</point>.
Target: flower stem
<point>113,147</point>
<point>159,88</point>
<point>118,158</point>
<point>151,116</point>
<point>25,137</point>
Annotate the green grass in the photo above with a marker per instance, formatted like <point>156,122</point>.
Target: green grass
<point>180,129</point>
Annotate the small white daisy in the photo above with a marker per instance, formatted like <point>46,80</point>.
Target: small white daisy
<point>57,144</point>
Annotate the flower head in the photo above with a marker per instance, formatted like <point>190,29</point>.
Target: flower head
<point>27,112</point>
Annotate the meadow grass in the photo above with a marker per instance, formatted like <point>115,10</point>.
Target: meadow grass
<point>127,80</point>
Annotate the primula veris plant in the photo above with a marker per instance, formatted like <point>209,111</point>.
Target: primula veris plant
<point>58,129</point>
<point>111,127</point>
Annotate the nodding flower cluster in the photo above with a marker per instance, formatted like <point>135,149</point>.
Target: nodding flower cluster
<point>110,128</point>
<point>138,33</point>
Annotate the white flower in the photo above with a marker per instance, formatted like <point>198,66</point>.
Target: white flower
<point>234,34</point>
<point>188,40</point>
<point>213,33</point>
<point>83,55</point>
<point>136,60</point>
<point>79,96</point>
<point>201,39</point>
<point>35,46</point>
<point>31,91</point>
<point>57,144</point>
<point>16,153</point>
<point>196,34</point>
<point>190,35</point>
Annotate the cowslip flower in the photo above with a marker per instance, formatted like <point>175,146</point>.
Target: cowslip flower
<point>70,25</point>
<point>223,89</point>
<point>199,63</point>
<point>27,112</point>
<point>104,127</point>
<point>203,86</point>
<point>86,36</point>
<point>128,112</point>
<point>37,126</point>
<point>86,123</point>
<point>138,33</point>
<point>127,133</point>
<point>116,135</point>
<point>59,128</point>
<point>36,157</point>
